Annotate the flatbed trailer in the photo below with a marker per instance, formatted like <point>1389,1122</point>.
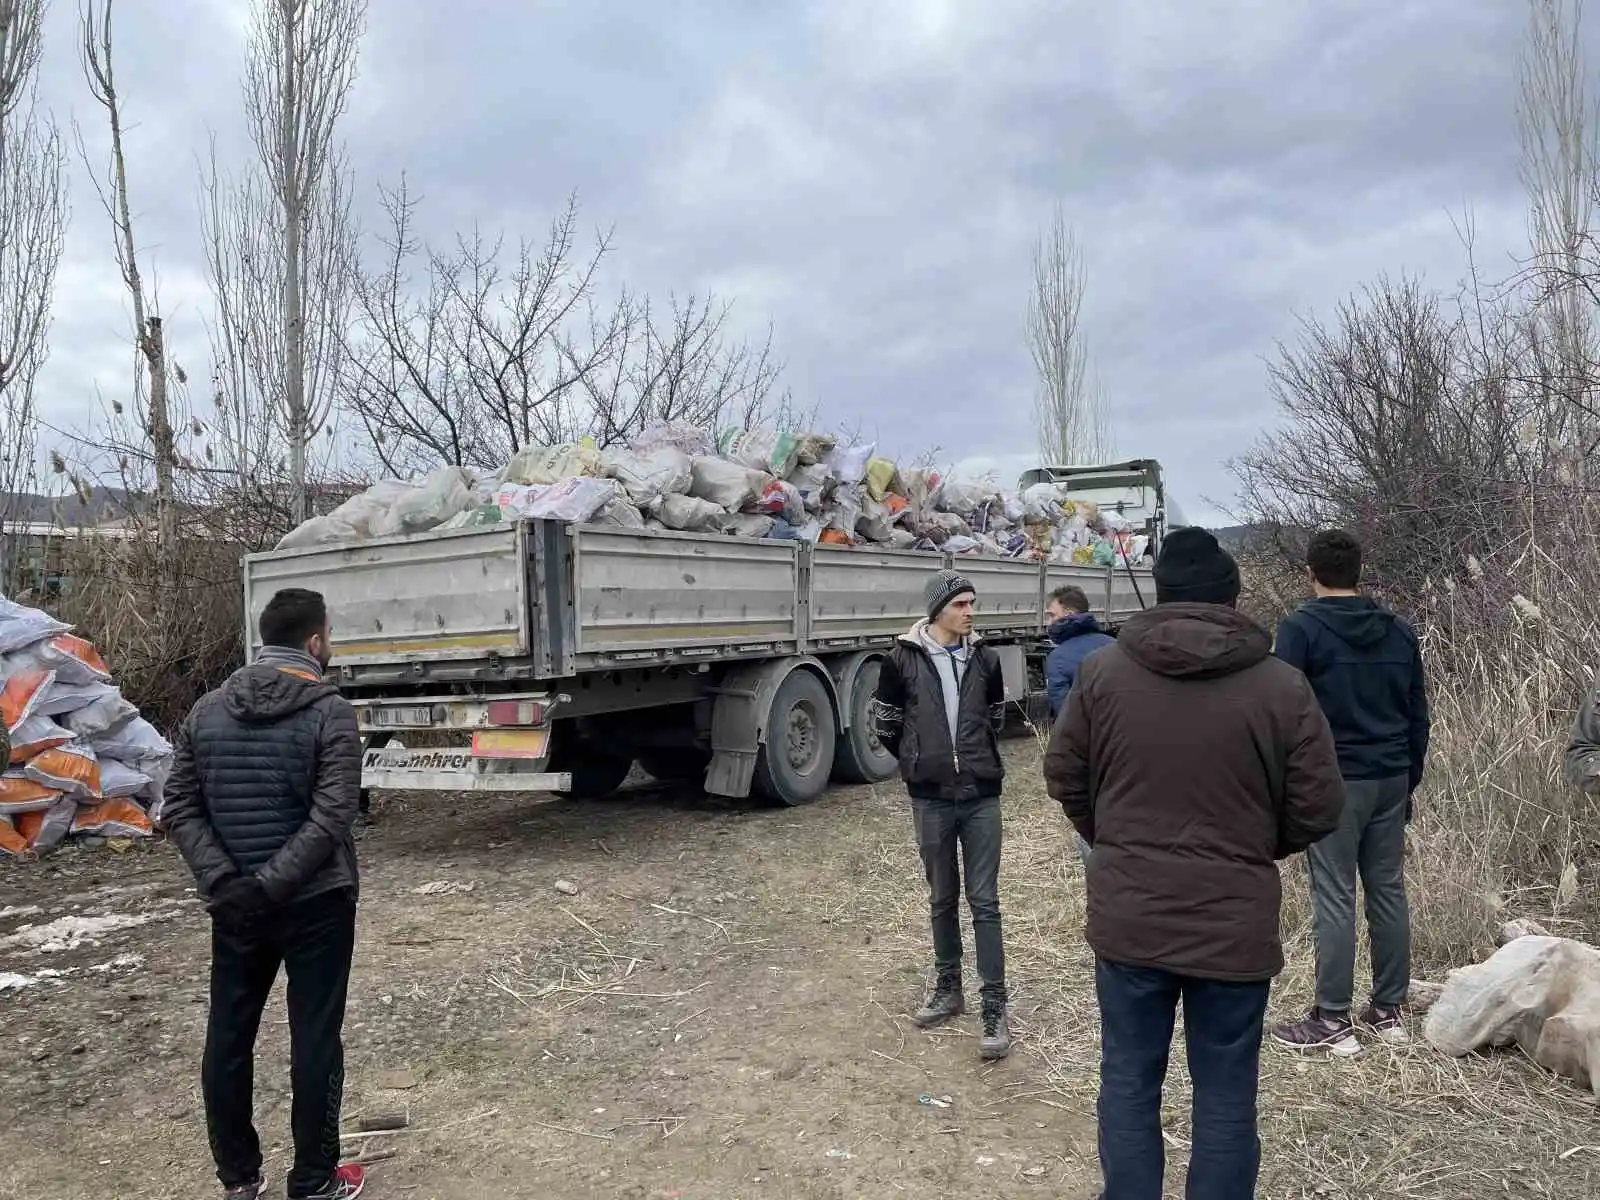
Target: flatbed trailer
<point>540,656</point>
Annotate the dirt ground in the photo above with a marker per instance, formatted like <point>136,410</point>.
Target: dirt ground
<point>717,1013</point>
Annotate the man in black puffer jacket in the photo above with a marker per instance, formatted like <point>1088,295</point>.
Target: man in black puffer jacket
<point>263,794</point>
<point>938,709</point>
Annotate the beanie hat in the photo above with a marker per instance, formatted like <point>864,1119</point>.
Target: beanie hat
<point>942,588</point>
<point>1195,569</point>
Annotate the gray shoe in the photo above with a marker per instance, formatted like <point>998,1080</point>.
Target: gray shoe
<point>944,1002</point>
<point>996,1040</point>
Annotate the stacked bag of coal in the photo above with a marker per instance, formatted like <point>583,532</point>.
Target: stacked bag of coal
<point>82,761</point>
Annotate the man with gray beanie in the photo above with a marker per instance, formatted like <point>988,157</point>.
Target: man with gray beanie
<point>938,708</point>
<point>1191,760</point>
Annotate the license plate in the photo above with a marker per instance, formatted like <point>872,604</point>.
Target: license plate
<point>510,743</point>
<point>418,717</point>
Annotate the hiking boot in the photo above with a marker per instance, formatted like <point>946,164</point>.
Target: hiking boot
<point>1320,1033</point>
<point>253,1190</point>
<point>946,1001</point>
<point>346,1184</point>
<point>1386,1023</point>
<point>996,1040</point>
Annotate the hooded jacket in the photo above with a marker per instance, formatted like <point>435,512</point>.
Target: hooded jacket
<point>1365,665</point>
<point>910,719</point>
<point>1191,760</point>
<point>266,780</point>
<point>1076,636</point>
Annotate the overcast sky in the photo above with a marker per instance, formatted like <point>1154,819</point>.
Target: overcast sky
<point>869,176</point>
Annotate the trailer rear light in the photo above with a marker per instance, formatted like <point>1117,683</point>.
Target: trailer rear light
<point>517,713</point>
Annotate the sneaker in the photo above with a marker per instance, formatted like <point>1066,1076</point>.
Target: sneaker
<point>996,1040</point>
<point>1386,1023</point>
<point>253,1190</point>
<point>945,1002</point>
<point>347,1183</point>
<point>1320,1033</point>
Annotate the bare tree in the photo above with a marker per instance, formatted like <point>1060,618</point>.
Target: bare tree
<point>33,217</point>
<point>463,356</point>
<point>1557,128</point>
<point>1069,408</point>
<point>154,413</point>
<point>299,72</point>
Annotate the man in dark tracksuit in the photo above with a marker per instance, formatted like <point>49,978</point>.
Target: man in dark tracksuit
<point>1365,665</point>
<point>939,706</point>
<point>263,794</point>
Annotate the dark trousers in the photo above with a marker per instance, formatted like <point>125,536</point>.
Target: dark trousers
<point>1370,843</point>
<point>956,836</point>
<point>1222,1028</point>
<point>314,941</point>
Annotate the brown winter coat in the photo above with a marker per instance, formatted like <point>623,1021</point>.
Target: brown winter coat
<point>1191,760</point>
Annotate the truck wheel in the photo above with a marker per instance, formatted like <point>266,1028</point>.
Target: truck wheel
<point>796,759</point>
<point>685,765</point>
<point>860,757</point>
<point>595,772</point>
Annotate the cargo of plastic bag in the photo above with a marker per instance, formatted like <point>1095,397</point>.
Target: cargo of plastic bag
<point>812,483</point>
<point>902,539</point>
<point>665,471</point>
<point>442,495</point>
<point>104,714</point>
<point>964,498</point>
<point>46,829</point>
<point>686,439</point>
<point>319,531</point>
<point>962,544</point>
<point>835,537</point>
<point>62,698</point>
<point>620,514</point>
<point>764,450</point>
<point>34,736</point>
<point>780,498</point>
<point>552,464</point>
<point>19,794</point>
<point>119,817</point>
<point>728,485</point>
<point>690,514</point>
<point>875,522</point>
<point>474,518</point>
<point>923,488</point>
<point>849,463</point>
<point>119,779</point>
<point>135,741</point>
<point>12,843</point>
<point>574,500</point>
<point>22,694</point>
<point>22,626</point>
<point>812,449</point>
<point>883,477</point>
<point>359,517</point>
<point>71,769</point>
<point>516,500</point>
<point>755,525</point>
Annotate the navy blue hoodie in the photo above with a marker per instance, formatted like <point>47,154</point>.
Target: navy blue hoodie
<point>1365,666</point>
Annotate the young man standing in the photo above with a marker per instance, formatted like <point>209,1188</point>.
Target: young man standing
<point>263,794</point>
<point>1190,760</point>
<point>1076,634</point>
<point>1365,665</point>
<point>939,707</point>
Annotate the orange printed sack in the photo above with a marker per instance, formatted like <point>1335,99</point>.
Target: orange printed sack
<point>21,692</point>
<point>34,736</point>
<point>71,769</point>
<point>19,794</point>
<point>113,818</point>
<point>12,843</point>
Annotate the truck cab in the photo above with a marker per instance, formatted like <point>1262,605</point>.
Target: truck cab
<point>1134,490</point>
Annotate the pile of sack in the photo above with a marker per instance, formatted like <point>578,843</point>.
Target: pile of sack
<point>83,762</point>
<point>753,483</point>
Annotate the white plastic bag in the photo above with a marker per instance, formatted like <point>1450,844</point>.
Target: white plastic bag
<point>844,510</point>
<point>726,484</point>
<point>119,779</point>
<point>22,626</point>
<point>619,513</point>
<point>645,477</point>
<point>574,500</point>
<point>750,525</point>
<point>849,463</point>
<point>443,494</point>
<point>552,464</point>
<point>35,735</point>
<point>101,716</point>
<point>318,531</point>
<point>764,450</point>
<point>515,500</point>
<point>874,523</point>
<point>812,484</point>
<point>136,741</point>
<point>780,498</point>
<point>686,439</point>
<point>690,514</point>
<point>60,698</point>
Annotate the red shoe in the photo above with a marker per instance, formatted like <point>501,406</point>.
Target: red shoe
<point>347,1183</point>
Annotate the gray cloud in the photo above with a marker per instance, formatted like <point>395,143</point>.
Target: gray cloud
<point>869,179</point>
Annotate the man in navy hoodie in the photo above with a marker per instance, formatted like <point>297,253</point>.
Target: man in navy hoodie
<point>1365,665</point>
<point>1076,635</point>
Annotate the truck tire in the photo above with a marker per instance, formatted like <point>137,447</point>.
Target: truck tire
<point>595,771</point>
<point>859,756</point>
<point>683,765</point>
<point>796,759</point>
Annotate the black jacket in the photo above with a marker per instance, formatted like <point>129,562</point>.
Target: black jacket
<point>1365,665</point>
<point>909,718</point>
<point>266,779</point>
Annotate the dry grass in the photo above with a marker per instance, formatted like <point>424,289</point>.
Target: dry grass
<point>1393,1123</point>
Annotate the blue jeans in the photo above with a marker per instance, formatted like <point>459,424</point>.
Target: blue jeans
<point>1222,1026</point>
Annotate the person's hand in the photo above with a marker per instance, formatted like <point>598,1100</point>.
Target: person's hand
<point>239,897</point>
